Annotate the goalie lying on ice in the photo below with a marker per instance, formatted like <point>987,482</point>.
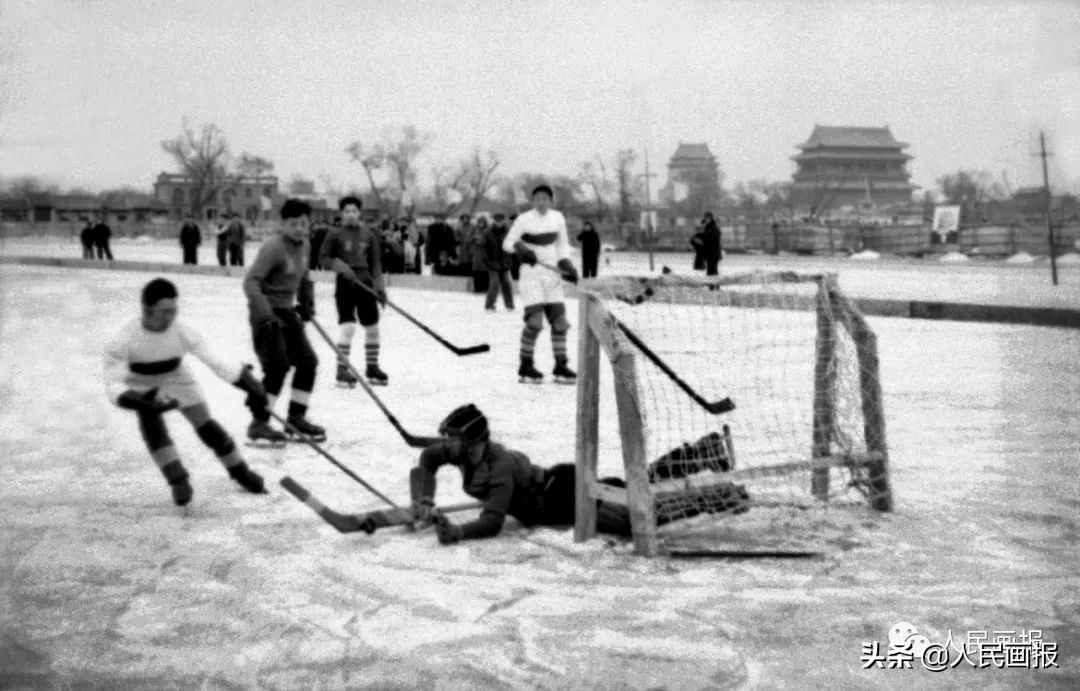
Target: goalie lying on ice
<point>507,483</point>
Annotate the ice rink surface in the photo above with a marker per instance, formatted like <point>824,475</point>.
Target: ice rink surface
<point>104,584</point>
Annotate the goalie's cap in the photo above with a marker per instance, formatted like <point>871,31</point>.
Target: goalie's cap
<point>466,422</point>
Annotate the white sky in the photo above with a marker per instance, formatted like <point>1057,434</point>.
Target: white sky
<point>89,89</point>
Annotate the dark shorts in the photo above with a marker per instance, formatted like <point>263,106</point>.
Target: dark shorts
<point>354,303</point>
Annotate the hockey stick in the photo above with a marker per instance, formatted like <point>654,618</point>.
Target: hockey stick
<point>724,405</point>
<point>363,522</point>
<point>470,350</point>
<point>416,442</point>
<point>304,438</point>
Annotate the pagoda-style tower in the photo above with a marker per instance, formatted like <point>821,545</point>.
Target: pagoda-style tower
<point>850,166</point>
<point>690,166</point>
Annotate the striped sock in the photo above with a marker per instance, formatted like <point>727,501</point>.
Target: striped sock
<point>528,342</point>
<point>371,344</point>
<point>298,403</point>
<point>345,349</point>
<point>558,345</point>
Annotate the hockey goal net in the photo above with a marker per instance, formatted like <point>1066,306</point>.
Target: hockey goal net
<point>743,405</point>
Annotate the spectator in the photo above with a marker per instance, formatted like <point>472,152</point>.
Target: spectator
<point>476,251</point>
<point>414,240</point>
<point>101,234</point>
<point>86,237</point>
<point>498,263</point>
<point>319,229</point>
<point>464,247</point>
<point>711,250</point>
<point>590,250</point>
<point>222,233</point>
<point>190,239</point>
<point>237,237</point>
<point>441,249</point>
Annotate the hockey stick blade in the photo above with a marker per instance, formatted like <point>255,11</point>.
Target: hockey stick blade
<point>469,350</point>
<point>341,522</point>
<point>413,440</point>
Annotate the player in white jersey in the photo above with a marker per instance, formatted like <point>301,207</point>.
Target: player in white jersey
<point>145,372</point>
<point>539,235</point>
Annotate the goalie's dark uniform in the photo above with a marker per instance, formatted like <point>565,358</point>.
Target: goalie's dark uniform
<point>508,483</point>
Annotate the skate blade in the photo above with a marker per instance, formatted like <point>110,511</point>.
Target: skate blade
<point>345,385</point>
<point>528,380</point>
<point>265,444</point>
<point>301,438</point>
<point>565,382</point>
<point>377,382</point>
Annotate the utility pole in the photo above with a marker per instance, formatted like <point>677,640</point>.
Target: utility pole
<point>1046,191</point>
<point>648,213</point>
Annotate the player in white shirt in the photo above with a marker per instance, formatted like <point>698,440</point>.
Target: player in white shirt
<point>145,372</point>
<point>539,235</point>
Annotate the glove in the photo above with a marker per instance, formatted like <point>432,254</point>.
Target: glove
<point>380,295</point>
<point>447,532</point>
<point>305,311</point>
<point>525,254</point>
<point>569,273</point>
<point>147,401</point>
<point>424,510</point>
<point>368,525</point>
<point>254,388</point>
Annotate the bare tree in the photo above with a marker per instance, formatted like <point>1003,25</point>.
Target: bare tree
<point>593,174</point>
<point>298,184</point>
<point>203,157</point>
<point>250,165</point>
<point>445,180</point>
<point>476,176</point>
<point>401,153</point>
<point>372,160</point>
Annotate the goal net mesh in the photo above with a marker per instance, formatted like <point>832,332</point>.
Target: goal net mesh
<point>782,354</point>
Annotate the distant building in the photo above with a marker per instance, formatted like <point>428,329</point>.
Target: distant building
<point>44,207</point>
<point>850,166</point>
<point>250,196</point>
<point>691,166</point>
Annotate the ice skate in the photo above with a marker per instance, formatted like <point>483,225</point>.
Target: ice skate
<point>528,374</point>
<point>247,478</point>
<point>299,425</point>
<point>563,374</point>
<point>177,478</point>
<point>376,376</point>
<point>345,378</point>
<point>262,435</point>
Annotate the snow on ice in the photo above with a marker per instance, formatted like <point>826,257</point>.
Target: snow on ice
<point>104,583</point>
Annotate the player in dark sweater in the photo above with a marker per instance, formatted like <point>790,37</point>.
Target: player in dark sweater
<point>280,298</point>
<point>509,484</point>
<point>353,252</point>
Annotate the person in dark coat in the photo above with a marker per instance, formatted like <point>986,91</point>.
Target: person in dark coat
<point>237,237</point>
<point>86,237</point>
<point>101,234</point>
<point>711,250</point>
<point>190,239</point>
<point>498,263</point>
<point>590,249</point>
<point>441,246</point>
<point>478,264</point>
